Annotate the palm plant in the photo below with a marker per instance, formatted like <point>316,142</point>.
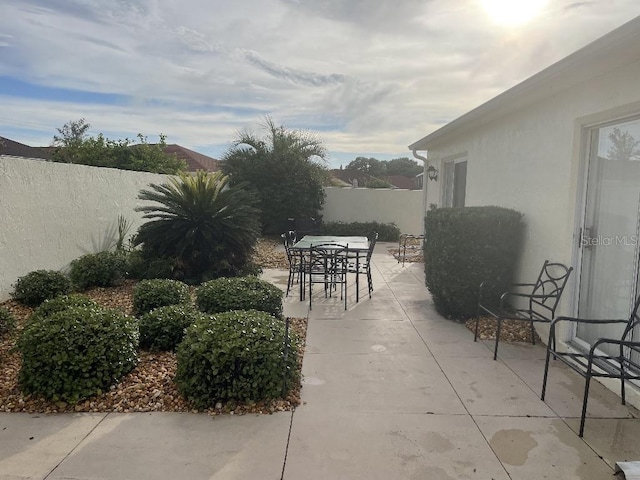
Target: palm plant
<point>207,227</point>
<point>285,167</point>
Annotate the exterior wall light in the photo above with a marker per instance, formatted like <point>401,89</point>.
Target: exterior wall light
<point>432,172</point>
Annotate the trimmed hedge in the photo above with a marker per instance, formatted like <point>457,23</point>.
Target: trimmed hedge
<point>235,355</point>
<point>103,269</point>
<point>40,285</point>
<point>159,292</point>
<point>7,321</point>
<point>388,232</point>
<point>239,293</point>
<point>63,302</point>
<point>78,352</point>
<point>464,247</point>
<point>162,329</point>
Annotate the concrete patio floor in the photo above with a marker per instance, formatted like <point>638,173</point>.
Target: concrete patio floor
<point>391,391</point>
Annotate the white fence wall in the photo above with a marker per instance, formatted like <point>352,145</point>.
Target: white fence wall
<point>403,207</point>
<point>52,213</point>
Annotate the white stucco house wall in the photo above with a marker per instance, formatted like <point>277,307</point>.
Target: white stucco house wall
<point>563,148</point>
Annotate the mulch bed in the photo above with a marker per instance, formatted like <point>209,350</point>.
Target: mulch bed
<point>149,387</point>
<point>511,330</point>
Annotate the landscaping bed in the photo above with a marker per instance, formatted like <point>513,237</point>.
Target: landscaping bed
<point>150,386</point>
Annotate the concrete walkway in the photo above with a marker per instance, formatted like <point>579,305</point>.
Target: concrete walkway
<point>391,391</point>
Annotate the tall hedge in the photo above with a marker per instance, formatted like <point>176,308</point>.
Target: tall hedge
<point>464,247</point>
<point>388,232</point>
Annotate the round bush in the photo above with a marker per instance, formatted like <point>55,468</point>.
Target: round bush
<point>7,321</point>
<point>235,355</point>
<point>163,329</point>
<point>36,287</point>
<point>150,294</point>
<point>239,293</point>
<point>77,352</point>
<point>104,269</point>
<point>58,304</point>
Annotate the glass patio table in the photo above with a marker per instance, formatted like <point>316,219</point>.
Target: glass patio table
<point>356,246</point>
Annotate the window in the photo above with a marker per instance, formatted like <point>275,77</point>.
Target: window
<point>455,182</point>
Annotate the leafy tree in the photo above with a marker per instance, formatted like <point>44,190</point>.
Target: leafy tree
<point>381,168</point>
<point>403,166</point>
<point>370,166</point>
<point>74,146</point>
<point>624,146</point>
<point>286,169</point>
<point>206,226</point>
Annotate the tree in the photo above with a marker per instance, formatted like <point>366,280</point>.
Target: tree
<point>370,166</point>
<point>286,169</point>
<point>624,146</point>
<point>404,166</point>
<point>74,146</point>
<point>209,228</point>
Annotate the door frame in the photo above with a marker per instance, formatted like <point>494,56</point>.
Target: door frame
<point>585,129</point>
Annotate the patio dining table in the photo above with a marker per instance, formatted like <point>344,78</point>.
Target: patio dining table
<point>356,246</point>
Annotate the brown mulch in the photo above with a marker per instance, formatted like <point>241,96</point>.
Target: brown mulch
<point>148,388</point>
<point>511,330</point>
<point>268,254</point>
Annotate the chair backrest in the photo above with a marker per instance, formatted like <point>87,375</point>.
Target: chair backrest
<point>288,239</point>
<point>634,321</point>
<point>548,289</point>
<point>326,256</point>
<point>372,245</point>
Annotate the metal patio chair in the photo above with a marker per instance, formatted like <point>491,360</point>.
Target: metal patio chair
<point>537,302</point>
<point>289,239</point>
<point>624,364</point>
<point>326,264</point>
<point>361,265</point>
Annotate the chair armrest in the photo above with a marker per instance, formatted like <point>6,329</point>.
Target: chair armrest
<point>587,320</point>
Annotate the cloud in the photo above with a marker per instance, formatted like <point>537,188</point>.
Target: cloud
<point>369,76</point>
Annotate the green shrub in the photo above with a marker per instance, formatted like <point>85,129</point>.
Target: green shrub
<point>162,329</point>
<point>7,321</point>
<point>77,352</point>
<point>36,287</point>
<point>235,355</point>
<point>103,269</point>
<point>239,293</point>
<point>142,265</point>
<point>388,232</point>
<point>63,302</point>
<point>464,247</point>
<point>150,294</point>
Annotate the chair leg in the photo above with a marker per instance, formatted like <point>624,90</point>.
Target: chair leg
<point>584,401</point>
<point>475,336</point>
<point>495,350</point>
<point>622,389</point>
<point>369,280</point>
<point>533,334</point>
<point>546,364</point>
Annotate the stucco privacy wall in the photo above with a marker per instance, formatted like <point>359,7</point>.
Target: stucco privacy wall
<point>52,213</point>
<point>403,207</point>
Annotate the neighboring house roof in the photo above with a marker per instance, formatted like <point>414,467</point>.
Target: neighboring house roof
<point>400,181</point>
<point>17,149</point>
<point>195,161</point>
<point>348,175</point>
<point>617,48</point>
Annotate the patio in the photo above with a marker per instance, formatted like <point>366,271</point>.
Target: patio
<point>391,391</point>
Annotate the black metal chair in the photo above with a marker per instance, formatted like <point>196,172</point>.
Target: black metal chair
<point>289,239</point>
<point>595,362</point>
<point>537,302</point>
<point>360,264</point>
<point>326,264</point>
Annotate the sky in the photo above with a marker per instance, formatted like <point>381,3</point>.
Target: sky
<point>368,77</point>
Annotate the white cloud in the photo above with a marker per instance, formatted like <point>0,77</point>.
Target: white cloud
<point>369,76</point>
